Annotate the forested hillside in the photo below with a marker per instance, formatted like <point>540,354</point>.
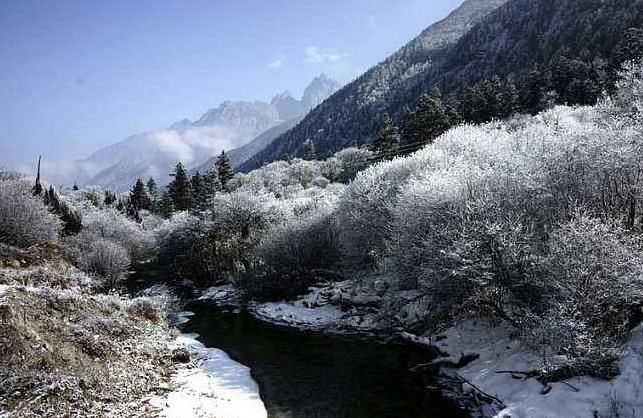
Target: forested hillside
<point>542,51</point>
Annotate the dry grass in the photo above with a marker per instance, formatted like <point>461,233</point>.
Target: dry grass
<point>65,352</point>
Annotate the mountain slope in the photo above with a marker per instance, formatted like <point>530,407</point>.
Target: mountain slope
<point>351,115</point>
<point>508,39</point>
<point>240,155</point>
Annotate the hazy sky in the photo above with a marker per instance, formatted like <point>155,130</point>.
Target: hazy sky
<point>76,75</point>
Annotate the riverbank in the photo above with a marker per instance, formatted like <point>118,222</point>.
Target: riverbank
<point>483,367</point>
<point>68,350</point>
<point>210,385</point>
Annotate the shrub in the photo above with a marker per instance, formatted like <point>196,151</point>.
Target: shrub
<point>109,224</point>
<point>292,255</point>
<point>344,166</point>
<point>106,260</point>
<point>24,219</point>
<point>595,270</point>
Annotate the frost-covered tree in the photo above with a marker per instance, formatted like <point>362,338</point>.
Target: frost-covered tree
<point>24,219</point>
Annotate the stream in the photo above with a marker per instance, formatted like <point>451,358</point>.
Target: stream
<point>313,375</point>
<point>309,375</point>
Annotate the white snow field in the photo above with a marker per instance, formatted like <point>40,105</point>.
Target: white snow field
<point>218,387</point>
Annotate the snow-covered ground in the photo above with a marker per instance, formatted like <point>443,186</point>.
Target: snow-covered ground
<point>523,398</point>
<point>212,385</point>
<point>295,314</point>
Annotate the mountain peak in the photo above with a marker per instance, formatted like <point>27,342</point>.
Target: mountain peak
<point>319,90</point>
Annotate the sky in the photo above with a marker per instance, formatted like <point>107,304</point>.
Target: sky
<point>78,75</point>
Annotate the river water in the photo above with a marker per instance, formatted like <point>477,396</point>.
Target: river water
<point>308,375</point>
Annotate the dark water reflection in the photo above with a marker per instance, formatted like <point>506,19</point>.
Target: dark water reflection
<point>303,375</point>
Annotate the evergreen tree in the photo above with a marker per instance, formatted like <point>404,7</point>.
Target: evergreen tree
<point>311,150</point>
<point>224,169</point>
<point>211,184</point>
<point>387,143</point>
<point>139,198</point>
<point>37,187</point>
<point>166,205</point>
<point>534,92</point>
<point>426,122</point>
<point>75,187</point>
<point>71,219</point>
<point>152,189</point>
<point>630,48</point>
<point>180,189</point>
<point>199,191</point>
<point>109,198</point>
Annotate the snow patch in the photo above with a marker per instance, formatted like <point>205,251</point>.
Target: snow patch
<point>217,387</point>
<point>578,397</point>
<point>296,314</point>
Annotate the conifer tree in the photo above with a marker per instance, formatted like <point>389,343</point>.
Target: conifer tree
<point>387,143</point>
<point>71,219</point>
<point>426,122</point>
<point>37,187</point>
<point>152,189</point>
<point>211,184</point>
<point>199,192</point>
<point>139,198</point>
<point>166,205</point>
<point>311,150</point>
<point>180,189</point>
<point>110,198</point>
<point>224,169</point>
<point>75,187</point>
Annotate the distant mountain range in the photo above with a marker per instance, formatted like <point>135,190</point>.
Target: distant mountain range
<point>241,127</point>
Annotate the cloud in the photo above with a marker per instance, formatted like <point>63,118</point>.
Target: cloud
<point>314,54</point>
<point>277,64</point>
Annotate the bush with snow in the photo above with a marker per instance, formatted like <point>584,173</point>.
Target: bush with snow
<point>24,218</point>
<point>106,260</point>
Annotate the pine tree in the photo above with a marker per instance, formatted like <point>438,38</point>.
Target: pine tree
<point>71,219</point>
<point>152,189</point>
<point>180,189</point>
<point>75,187</point>
<point>166,205</point>
<point>426,122</point>
<point>224,169</point>
<point>139,198</point>
<point>37,187</point>
<point>387,143</point>
<point>109,198</point>
<point>211,184</point>
<point>311,150</point>
<point>199,192</point>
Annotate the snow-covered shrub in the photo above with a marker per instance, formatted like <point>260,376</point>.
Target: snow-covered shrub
<point>212,249</point>
<point>24,218</point>
<point>291,255</point>
<point>629,88</point>
<point>344,166</point>
<point>595,272</point>
<point>105,260</point>
<point>110,224</point>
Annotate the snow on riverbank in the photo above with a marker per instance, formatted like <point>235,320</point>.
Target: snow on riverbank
<point>574,398</point>
<point>295,314</point>
<point>211,386</point>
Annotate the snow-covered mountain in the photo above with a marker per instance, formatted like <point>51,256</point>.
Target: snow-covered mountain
<point>231,125</point>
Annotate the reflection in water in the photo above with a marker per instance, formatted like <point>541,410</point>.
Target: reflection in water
<point>304,375</point>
